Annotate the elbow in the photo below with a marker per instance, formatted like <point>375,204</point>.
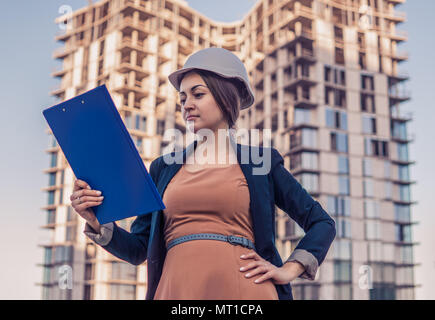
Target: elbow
<point>137,261</point>
<point>333,229</point>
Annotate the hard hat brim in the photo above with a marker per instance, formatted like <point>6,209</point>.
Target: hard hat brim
<point>246,102</point>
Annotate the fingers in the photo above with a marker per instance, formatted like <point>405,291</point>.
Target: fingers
<point>268,275</point>
<point>85,192</point>
<point>80,184</point>
<point>84,199</point>
<point>87,204</point>
<point>254,264</point>
<point>251,255</point>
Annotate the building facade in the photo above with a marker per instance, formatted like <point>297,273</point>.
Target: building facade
<point>326,79</point>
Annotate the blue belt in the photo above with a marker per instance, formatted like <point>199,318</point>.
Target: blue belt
<point>234,240</point>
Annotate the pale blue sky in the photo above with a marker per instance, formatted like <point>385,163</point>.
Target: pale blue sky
<point>27,32</point>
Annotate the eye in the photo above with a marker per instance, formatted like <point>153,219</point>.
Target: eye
<point>197,95</point>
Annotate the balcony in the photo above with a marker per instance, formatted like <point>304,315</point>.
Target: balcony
<point>129,25</point>
<point>398,76</point>
<point>306,55</point>
<point>398,35</point>
<point>136,87</point>
<point>395,16</point>
<point>292,82</point>
<point>403,138</point>
<point>398,95</point>
<point>126,67</point>
<point>58,92</point>
<point>396,116</point>
<point>59,73</point>
<point>145,7</point>
<point>61,53</point>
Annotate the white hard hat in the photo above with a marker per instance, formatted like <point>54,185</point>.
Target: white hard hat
<point>220,61</point>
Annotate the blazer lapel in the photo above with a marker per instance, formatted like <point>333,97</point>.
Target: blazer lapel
<point>259,204</point>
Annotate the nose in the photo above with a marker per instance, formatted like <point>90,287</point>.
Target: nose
<point>187,107</point>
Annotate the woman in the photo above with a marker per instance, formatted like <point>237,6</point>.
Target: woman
<point>215,239</point>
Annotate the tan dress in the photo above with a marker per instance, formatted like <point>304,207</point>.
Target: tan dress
<point>211,200</point>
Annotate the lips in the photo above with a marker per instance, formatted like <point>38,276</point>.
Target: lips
<point>191,117</point>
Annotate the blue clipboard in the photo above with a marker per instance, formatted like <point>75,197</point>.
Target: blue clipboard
<point>100,151</point>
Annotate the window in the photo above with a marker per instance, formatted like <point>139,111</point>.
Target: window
<point>367,167</point>
<point>405,276</point>
<point>140,123</point>
<point>50,198</point>
<point>160,127</point>
<point>61,196</point>
<point>51,216</point>
<point>53,160</point>
<point>367,103</point>
<point>343,228</point>
<point>342,271</point>
<point>122,292</point>
<point>47,255</point>
<point>343,164</point>
<point>371,209</point>
<point>373,147</point>
<point>63,254</point>
<point>310,181</point>
<point>306,292</point>
<point>381,291</point>
<point>327,73</point>
<point>304,160</point>
<point>342,291</point>
<point>373,230</point>
<point>402,151</point>
<point>292,229</point>
<point>405,193</point>
<point>336,119</point>
<point>302,116</point>
<point>70,233</point>
<point>123,271</point>
<point>375,252</point>
<point>403,233</point>
<point>398,130</point>
<point>52,179</point>
<point>388,190</point>
<point>138,141</point>
<point>403,172</point>
<point>339,206</point>
<point>387,169</point>
<point>402,213</point>
<point>127,120</point>
<point>339,142</point>
<point>343,185</point>
<point>367,82</point>
<point>405,254</point>
<point>53,141</point>
<point>305,137</point>
<point>368,188</point>
<point>369,124</point>
<point>342,249</point>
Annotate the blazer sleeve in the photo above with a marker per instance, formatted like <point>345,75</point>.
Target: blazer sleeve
<point>128,246</point>
<point>319,227</point>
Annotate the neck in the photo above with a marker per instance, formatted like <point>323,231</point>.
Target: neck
<point>215,149</point>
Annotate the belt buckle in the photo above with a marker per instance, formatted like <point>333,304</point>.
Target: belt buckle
<point>231,239</point>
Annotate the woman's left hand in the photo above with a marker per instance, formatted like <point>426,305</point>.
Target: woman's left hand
<point>279,275</point>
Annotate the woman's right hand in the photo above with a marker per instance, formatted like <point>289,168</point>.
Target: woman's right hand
<point>82,199</point>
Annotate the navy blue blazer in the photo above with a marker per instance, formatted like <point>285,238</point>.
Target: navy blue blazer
<point>145,240</point>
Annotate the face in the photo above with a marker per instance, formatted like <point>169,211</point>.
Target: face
<point>197,100</point>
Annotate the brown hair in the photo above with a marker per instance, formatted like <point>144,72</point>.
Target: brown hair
<point>226,91</point>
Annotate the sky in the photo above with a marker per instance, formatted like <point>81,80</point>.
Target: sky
<point>27,31</point>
